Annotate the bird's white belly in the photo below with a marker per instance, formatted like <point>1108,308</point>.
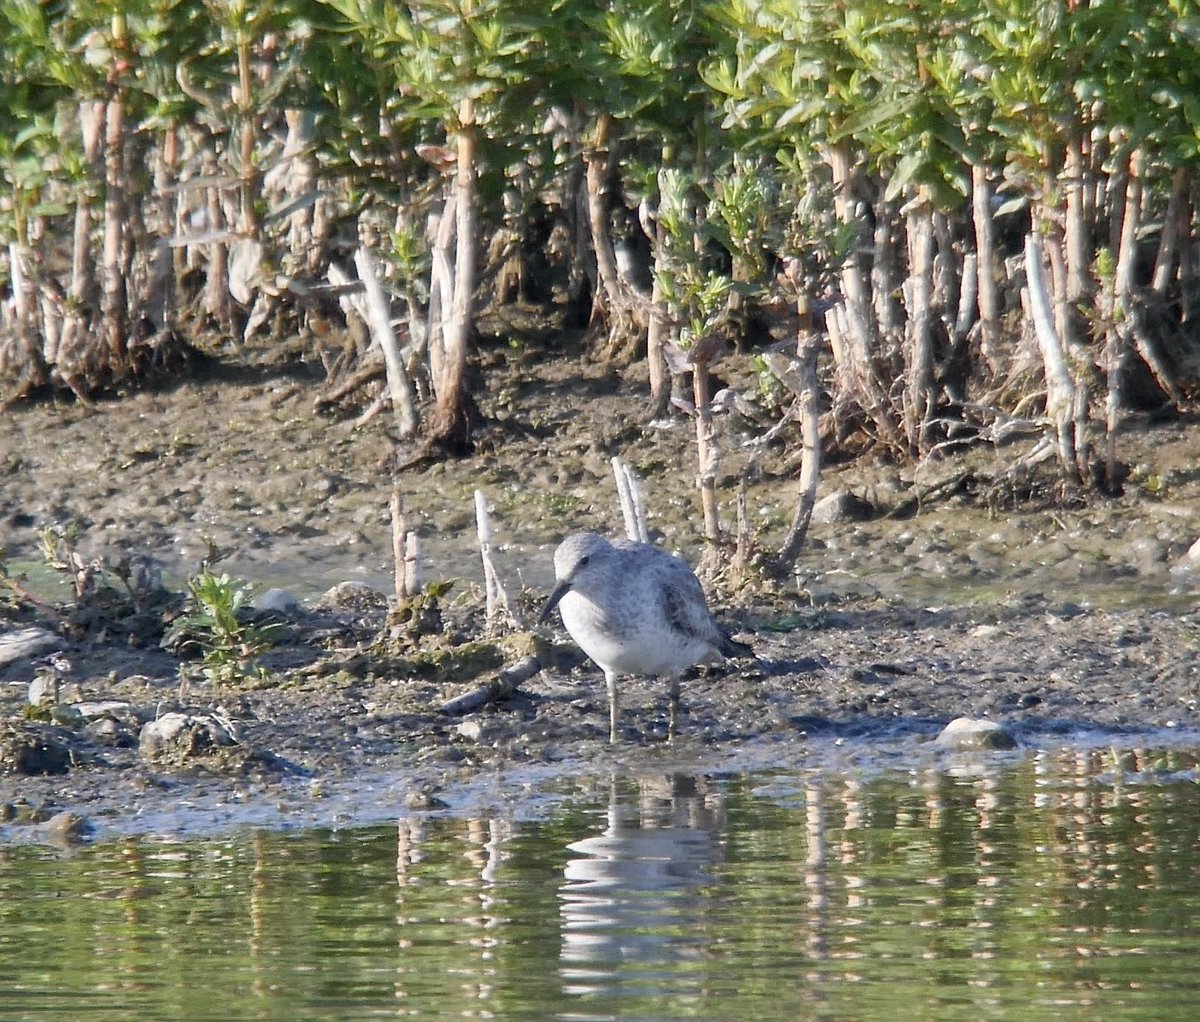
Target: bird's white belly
<point>634,644</point>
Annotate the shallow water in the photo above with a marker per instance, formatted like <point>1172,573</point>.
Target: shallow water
<point>1042,885</point>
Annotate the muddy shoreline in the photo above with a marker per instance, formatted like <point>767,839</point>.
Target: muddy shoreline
<point>1069,626</point>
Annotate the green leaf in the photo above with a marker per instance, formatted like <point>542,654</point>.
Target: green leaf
<point>50,209</point>
<point>873,116</point>
<point>804,110</point>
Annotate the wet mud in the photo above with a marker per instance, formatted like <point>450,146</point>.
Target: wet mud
<point>1064,624</point>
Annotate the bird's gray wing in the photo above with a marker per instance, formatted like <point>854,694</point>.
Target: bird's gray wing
<point>685,608</point>
<point>687,612</point>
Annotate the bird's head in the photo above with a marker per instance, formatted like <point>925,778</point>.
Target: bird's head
<point>576,559</point>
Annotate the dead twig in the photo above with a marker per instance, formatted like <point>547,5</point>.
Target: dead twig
<point>360,377</point>
<point>503,686</point>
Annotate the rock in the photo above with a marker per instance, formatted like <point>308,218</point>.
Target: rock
<point>840,507</point>
<point>470,729</point>
<point>109,722</point>
<point>107,731</point>
<point>278,600</point>
<point>32,750</point>
<point>26,642</point>
<point>111,708</point>
<point>23,812</point>
<point>972,733</point>
<point>352,596</point>
<point>66,828</point>
<point>179,737</point>
<point>67,715</point>
<point>43,690</point>
<point>423,800</point>
<point>1192,556</point>
<point>1147,551</point>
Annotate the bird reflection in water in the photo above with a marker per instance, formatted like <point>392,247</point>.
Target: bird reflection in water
<point>630,901</point>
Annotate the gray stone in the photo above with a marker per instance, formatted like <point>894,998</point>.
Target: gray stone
<point>178,737</point>
<point>112,708</point>
<point>43,690</point>
<point>1147,551</point>
<point>26,642</point>
<point>471,729</point>
<point>106,731</point>
<point>32,751</point>
<point>840,507</point>
<point>65,714</point>
<point>278,600</point>
<point>352,595</point>
<point>973,733</point>
<point>66,828</point>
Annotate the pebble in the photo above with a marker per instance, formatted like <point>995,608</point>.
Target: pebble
<point>975,733</point>
<point>43,691</point>
<point>352,595</point>
<point>1147,551</point>
<point>179,736</point>
<point>67,828</point>
<point>278,600</point>
<point>840,507</point>
<point>470,729</point>
<point>26,642</point>
<point>66,715</point>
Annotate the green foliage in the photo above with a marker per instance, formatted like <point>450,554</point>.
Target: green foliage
<point>410,254</point>
<point>421,613</point>
<point>27,161</point>
<point>693,289</point>
<point>729,117</point>
<point>743,212</point>
<point>227,645</point>
<point>437,52</point>
<point>12,587</point>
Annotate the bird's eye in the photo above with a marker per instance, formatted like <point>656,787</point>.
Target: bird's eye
<point>584,560</point>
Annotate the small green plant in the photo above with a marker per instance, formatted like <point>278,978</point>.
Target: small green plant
<point>12,587</point>
<point>59,549</point>
<point>421,614</point>
<point>228,646</point>
<point>769,390</point>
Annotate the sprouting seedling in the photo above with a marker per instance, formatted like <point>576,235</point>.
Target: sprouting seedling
<point>228,645</point>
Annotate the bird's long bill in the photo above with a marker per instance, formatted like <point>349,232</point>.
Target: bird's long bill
<point>560,591</point>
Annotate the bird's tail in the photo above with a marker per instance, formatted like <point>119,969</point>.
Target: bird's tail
<point>733,649</point>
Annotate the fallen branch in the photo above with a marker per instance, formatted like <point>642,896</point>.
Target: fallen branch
<point>360,377</point>
<point>501,687</point>
<point>373,409</point>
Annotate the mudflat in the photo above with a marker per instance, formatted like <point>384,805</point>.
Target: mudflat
<point>1066,624</point>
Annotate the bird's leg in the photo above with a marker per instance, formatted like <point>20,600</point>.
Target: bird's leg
<point>611,680</point>
<point>673,713</point>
